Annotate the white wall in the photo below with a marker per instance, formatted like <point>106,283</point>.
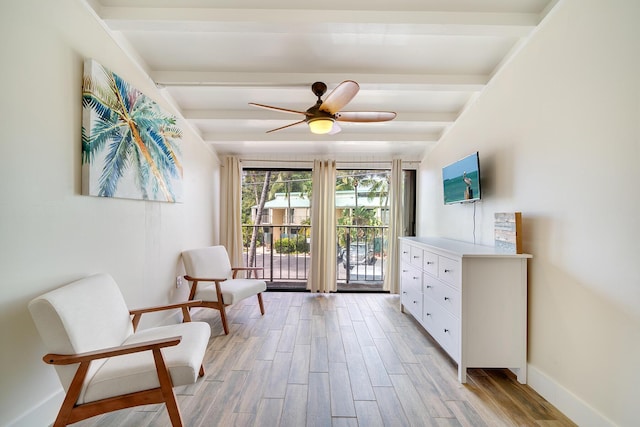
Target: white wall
<point>558,132</point>
<point>49,233</point>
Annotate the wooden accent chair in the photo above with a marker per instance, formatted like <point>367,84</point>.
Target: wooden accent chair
<point>211,264</point>
<point>103,362</point>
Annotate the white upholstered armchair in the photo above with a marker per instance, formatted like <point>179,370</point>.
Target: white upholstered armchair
<point>103,362</point>
<point>221,286</point>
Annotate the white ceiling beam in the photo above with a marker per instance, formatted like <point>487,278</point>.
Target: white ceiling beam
<point>336,21</point>
<point>308,136</point>
<point>441,82</point>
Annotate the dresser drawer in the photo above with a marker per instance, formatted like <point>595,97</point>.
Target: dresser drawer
<point>448,298</point>
<point>430,262</point>
<point>449,271</point>
<point>405,252</point>
<point>443,326</point>
<point>411,292</point>
<point>442,294</point>
<point>416,256</point>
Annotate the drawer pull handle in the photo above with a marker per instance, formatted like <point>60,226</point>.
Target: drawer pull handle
<point>428,314</point>
<point>415,278</point>
<point>405,252</point>
<point>404,292</point>
<point>447,271</point>
<point>446,298</point>
<point>430,262</point>
<point>429,286</point>
<point>446,330</point>
<point>416,257</point>
<point>405,271</point>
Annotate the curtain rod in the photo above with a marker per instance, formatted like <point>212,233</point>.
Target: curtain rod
<point>337,161</point>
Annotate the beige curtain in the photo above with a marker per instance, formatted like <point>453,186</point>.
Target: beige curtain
<point>322,275</point>
<point>231,212</point>
<point>392,267</point>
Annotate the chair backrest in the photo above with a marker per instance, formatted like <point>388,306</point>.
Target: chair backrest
<point>85,315</point>
<point>208,263</point>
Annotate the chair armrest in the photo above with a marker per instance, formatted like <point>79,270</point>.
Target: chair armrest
<point>164,307</point>
<point>184,305</point>
<point>69,359</point>
<point>204,279</point>
<point>255,270</point>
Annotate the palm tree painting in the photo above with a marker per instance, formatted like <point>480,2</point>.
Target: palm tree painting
<point>129,144</point>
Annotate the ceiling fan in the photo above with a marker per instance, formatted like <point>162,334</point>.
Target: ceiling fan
<point>322,116</point>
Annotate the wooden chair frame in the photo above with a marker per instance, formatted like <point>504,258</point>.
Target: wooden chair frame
<point>220,305</point>
<point>71,412</point>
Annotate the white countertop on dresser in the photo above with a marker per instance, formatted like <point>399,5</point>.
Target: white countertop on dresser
<point>462,249</point>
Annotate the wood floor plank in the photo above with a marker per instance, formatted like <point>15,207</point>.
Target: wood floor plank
<point>294,410</point>
<point>288,338</point>
<point>276,386</point>
<point>303,333</point>
<point>354,312</point>
<point>269,412</point>
<point>319,357</point>
<point>318,326</point>
<point>359,377</point>
<point>345,422</point>
<point>245,358</point>
<point>318,406</point>
<point>225,399</point>
<point>362,333</point>
<point>414,408</point>
<point>368,413</point>
<point>299,372</point>
<point>402,349</point>
<point>335,347</point>
<point>390,408</point>
<point>465,414</point>
<point>350,341</point>
<point>375,330</point>
<point>375,367</point>
<point>427,391</point>
<point>389,357</point>
<point>252,390</point>
<point>340,391</point>
<point>269,345</point>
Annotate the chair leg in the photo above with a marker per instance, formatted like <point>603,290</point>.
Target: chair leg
<point>261,303</point>
<point>72,396</point>
<point>223,317</point>
<point>201,373</point>
<point>167,389</point>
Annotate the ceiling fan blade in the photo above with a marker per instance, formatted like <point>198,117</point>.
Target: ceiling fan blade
<point>340,96</point>
<point>365,116</point>
<point>335,129</point>
<point>286,110</point>
<point>284,127</point>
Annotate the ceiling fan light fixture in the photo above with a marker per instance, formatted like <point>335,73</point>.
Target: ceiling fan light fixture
<point>321,125</point>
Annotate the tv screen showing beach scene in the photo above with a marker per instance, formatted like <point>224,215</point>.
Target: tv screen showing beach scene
<point>461,180</point>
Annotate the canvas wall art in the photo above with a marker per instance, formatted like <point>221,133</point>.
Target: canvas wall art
<point>130,146</point>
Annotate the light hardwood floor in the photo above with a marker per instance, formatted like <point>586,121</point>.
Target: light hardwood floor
<point>337,360</point>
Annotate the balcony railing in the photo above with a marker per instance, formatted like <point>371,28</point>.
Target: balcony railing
<point>284,253</point>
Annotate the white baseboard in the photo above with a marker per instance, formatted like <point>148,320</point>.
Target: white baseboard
<point>579,411</point>
<point>42,415</point>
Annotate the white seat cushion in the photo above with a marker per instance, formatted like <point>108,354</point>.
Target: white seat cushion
<point>135,372</point>
<point>233,290</point>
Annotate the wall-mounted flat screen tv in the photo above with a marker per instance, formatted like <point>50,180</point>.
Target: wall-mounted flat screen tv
<point>461,180</point>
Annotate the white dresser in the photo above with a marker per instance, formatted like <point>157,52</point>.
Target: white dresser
<point>472,299</point>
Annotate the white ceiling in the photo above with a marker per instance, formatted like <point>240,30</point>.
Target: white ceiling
<point>424,59</point>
